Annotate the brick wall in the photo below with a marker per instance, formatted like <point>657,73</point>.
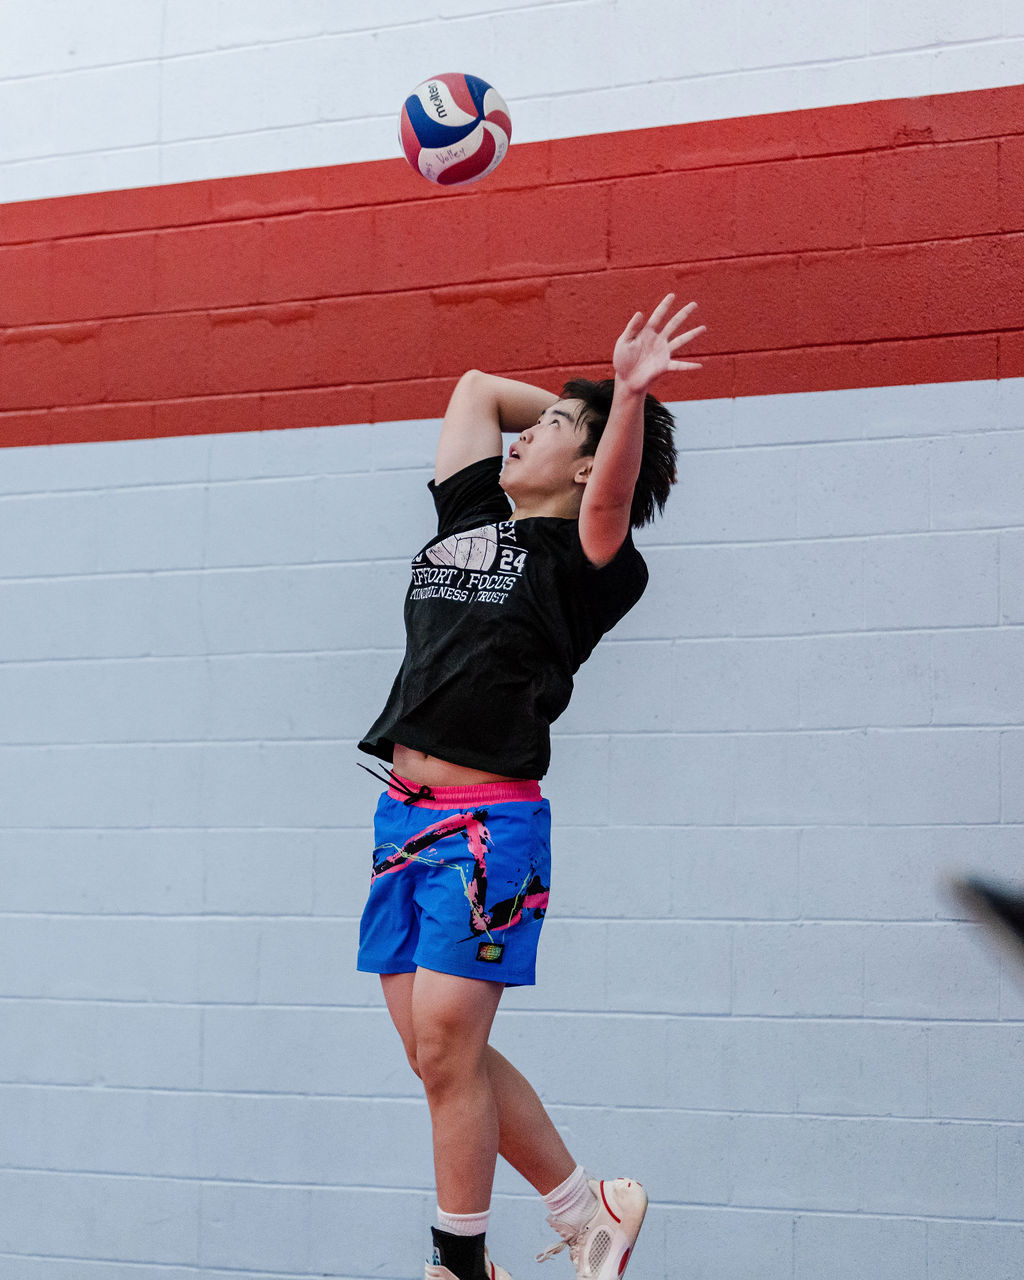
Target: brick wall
<point>753,994</point>
<point>839,247</point>
<point>134,92</point>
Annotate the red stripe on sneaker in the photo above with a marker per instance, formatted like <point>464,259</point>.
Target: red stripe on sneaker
<point>624,1260</point>
<point>608,1206</point>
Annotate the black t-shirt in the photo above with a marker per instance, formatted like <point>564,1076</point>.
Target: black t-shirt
<point>499,616</point>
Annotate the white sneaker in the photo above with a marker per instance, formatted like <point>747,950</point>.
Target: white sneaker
<point>601,1248</point>
<point>436,1272</point>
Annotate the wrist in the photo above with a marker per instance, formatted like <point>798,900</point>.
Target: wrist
<point>628,389</point>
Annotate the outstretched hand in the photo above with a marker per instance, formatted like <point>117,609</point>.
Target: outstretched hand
<point>646,349</point>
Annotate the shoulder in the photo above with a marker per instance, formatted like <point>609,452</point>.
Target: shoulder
<point>626,568</point>
<point>624,575</point>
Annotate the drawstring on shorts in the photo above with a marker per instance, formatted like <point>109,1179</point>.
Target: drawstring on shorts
<point>393,780</point>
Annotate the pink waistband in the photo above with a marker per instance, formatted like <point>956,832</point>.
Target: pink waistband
<point>480,793</point>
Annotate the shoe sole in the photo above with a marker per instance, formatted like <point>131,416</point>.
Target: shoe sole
<point>629,1225</point>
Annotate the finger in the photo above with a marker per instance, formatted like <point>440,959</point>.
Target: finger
<point>662,310</point>
<point>633,328</point>
<point>678,319</point>
<point>689,336</point>
<point>684,364</point>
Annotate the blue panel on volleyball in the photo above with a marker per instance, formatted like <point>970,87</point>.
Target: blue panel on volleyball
<point>477,91</point>
<point>431,133</point>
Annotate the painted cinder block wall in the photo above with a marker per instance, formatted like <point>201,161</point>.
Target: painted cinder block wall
<point>220,401</point>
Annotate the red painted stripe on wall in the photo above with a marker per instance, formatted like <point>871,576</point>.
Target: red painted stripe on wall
<point>840,247</point>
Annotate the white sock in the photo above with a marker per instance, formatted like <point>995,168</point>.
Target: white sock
<point>572,1201</point>
<point>463,1224</point>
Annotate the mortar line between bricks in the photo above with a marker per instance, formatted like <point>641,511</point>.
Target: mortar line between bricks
<point>775,637</point>
<point>145,658</point>
<point>988,531</point>
<point>151,829</point>
<point>201,656</point>
<point>737,75</point>
<point>325,740</point>
<point>310,477</point>
<point>286,917</point>
<point>512,1196</point>
<point>610,642</point>
<point>205,570</point>
<point>314,476</point>
<point>216,218</point>
<point>333,829</point>
<point>317,37</point>
<point>782,67</point>
<point>272,43</point>
<point>670,1206</point>
<point>200,1270</point>
<point>830,539</point>
<point>981,531</point>
<point>679,407</point>
<point>509,1012</point>
<point>432,425</point>
<point>254,310</point>
<point>419,1102</point>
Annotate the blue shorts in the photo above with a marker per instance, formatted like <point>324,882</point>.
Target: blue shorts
<point>459,883</point>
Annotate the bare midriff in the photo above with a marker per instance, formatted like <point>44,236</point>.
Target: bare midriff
<point>417,767</point>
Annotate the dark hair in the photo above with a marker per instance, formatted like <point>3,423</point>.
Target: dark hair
<point>658,461</point>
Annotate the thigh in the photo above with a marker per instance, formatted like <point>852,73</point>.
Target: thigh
<point>397,988</point>
<point>453,1012</point>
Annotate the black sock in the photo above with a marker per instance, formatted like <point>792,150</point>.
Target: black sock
<point>462,1255</point>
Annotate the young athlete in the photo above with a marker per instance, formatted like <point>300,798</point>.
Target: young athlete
<point>531,563</point>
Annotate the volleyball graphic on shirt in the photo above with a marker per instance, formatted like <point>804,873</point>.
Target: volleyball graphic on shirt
<point>475,549</point>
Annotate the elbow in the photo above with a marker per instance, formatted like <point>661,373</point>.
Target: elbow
<point>611,506</point>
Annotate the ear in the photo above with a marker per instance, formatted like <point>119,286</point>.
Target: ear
<point>582,474</point>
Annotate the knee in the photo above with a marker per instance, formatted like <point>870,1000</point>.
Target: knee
<point>410,1053</point>
<point>433,1059</point>
<point>441,1062</point>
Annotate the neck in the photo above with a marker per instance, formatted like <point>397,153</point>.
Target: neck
<point>561,506</point>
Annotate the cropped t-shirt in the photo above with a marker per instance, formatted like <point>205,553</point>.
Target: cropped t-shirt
<point>499,616</point>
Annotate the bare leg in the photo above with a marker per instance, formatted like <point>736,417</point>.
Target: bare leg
<point>451,1020</point>
<point>527,1139</point>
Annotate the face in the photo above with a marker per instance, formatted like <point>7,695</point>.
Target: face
<point>544,462</point>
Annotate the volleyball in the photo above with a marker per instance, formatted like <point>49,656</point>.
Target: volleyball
<point>455,129</point>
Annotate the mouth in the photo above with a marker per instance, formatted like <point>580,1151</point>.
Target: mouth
<point>513,452</point>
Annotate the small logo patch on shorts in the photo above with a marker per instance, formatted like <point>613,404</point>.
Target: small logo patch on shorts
<point>491,952</point>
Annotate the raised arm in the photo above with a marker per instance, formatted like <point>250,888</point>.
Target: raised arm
<point>481,407</point>
<point>645,350</point>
